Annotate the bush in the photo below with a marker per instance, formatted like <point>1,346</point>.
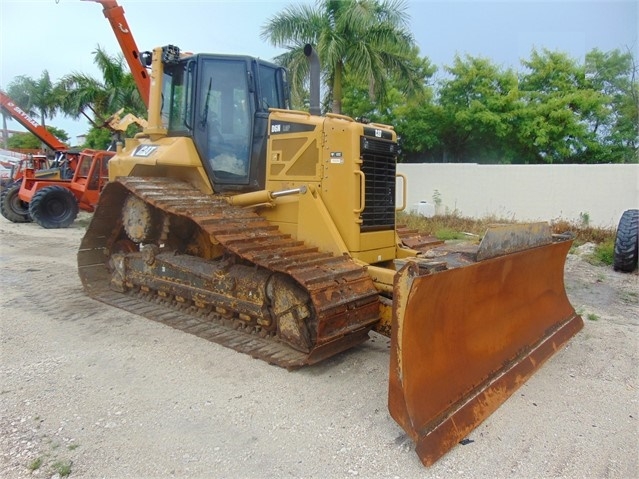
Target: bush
<point>604,254</point>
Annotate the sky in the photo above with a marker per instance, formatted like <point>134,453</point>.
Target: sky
<point>60,36</point>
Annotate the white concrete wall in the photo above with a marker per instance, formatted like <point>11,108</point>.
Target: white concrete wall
<point>526,192</point>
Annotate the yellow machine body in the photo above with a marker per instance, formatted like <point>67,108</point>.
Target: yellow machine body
<point>308,259</point>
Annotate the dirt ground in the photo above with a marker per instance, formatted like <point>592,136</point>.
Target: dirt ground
<point>101,393</point>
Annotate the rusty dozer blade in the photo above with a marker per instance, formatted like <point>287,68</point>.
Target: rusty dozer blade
<point>463,340</point>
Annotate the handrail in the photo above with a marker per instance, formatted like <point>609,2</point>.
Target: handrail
<point>362,192</point>
<point>341,117</point>
<point>404,183</point>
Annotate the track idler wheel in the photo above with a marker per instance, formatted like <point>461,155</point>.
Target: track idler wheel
<point>142,222</point>
<point>289,306</point>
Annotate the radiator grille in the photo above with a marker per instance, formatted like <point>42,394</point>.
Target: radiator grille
<point>379,158</point>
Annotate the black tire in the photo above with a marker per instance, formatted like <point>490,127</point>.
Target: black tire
<point>627,242</point>
<point>12,207</point>
<point>54,207</point>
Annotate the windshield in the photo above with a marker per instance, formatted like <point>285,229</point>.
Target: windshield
<point>222,101</point>
<point>224,116</point>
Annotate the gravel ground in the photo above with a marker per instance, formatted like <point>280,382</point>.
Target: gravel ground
<point>95,392</point>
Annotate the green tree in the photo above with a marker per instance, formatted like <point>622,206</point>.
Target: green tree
<point>98,138</point>
<point>478,103</point>
<point>38,98</point>
<point>97,99</point>
<point>614,74</point>
<point>560,109</point>
<point>30,142</point>
<point>415,116</point>
<point>367,39</point>
<point>419,125</point>
<point>357,101</point>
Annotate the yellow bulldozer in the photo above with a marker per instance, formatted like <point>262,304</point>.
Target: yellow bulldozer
<point>273,232</point>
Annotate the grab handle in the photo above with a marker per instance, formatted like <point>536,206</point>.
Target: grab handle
<point>403,177</point>
<point>362,192</point>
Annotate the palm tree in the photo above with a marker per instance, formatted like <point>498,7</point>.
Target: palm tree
<point>36,97</point>
<point>116,90</point>
<point>367,39</point>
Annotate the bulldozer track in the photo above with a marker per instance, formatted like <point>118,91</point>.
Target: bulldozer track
<point>340,291</point>
<point>192,321</point>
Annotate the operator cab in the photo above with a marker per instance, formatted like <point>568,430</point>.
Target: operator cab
<point>222,102</point>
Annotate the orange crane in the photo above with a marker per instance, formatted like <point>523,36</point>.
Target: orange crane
<point>115,14</point>
<point>60,168</point>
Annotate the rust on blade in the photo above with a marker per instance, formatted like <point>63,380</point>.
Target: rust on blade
<point>463,340</point>
<point>510,238</point>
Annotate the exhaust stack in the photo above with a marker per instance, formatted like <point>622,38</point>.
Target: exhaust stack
<point>313,60</point>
